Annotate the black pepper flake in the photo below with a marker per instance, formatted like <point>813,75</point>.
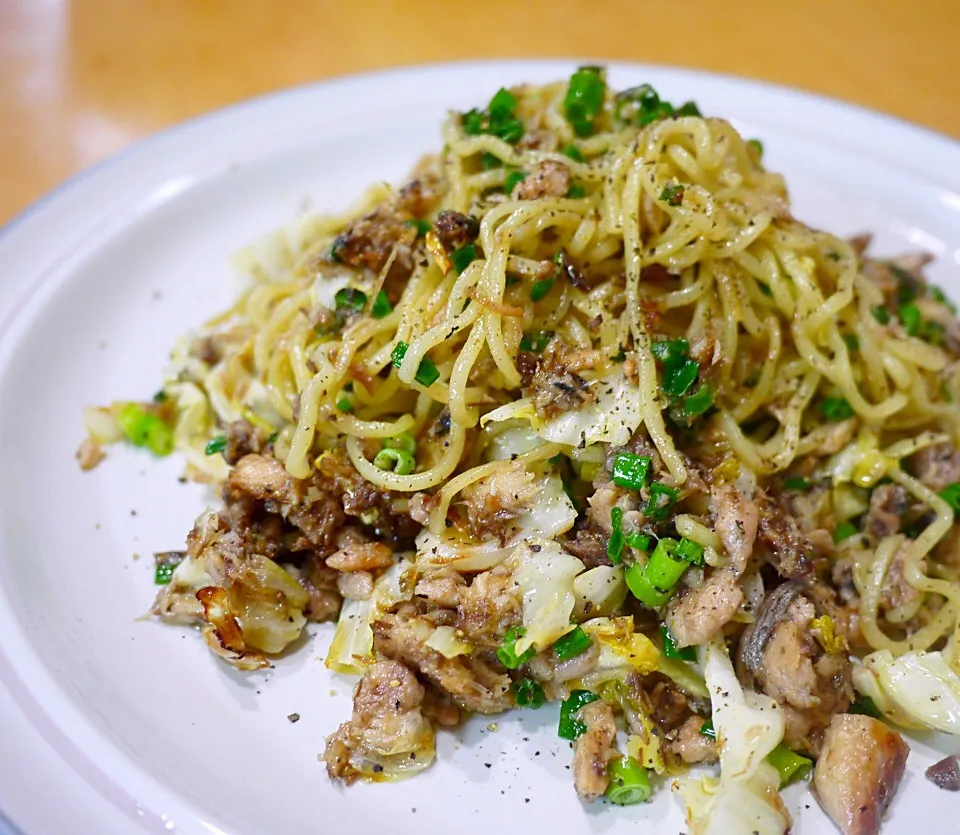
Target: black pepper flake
<point>293,717</point>
<point>377,768</point>
<point>489,765</point>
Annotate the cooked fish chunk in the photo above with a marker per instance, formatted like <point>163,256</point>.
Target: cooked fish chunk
<point>858,772</point>
<point>695,616</point>
<point>593,750</point>
<point>387,726</point>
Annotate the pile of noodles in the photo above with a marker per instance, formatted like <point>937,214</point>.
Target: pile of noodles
<point>781,304</point>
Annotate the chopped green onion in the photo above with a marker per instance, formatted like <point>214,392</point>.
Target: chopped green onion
<point>573,152</point>
<point>463,257</point>
<point>697,402</point>
<point>513,179</point>
<point>215,445</point>
<point>615,543</point>
<point>145,429</point>
<point>677,380</point>
<point>851,341</point>
<point>757,146</point>
<point>910,317</point>
<point>691,551</point>
<point>620,356</point>
<point>535,341</point>
<point>638,540</point>
<point>404,441</point>
<point>584,100</point>
<point>528,693</point>
<point>394,460</point>
<point>570,727</point>
<point>836,409</point>
<point>663,569</point>
<point>473,122</point>
<point>672,194</point>
<point>688,108</point>
<point>797,483</point>
<point>844,531</point>
<point>541,289</point>
<point>642,105</point>
<point>791,766</point>
<point>498,119</point>
<point>427,373</point>
<point>881,314</point>
<point>708,730</point>
<point>951,495</point>
<point>662,499</point>
<point>670,649</point>
<point>166,565</point>
<point>653,583</point>
<point>576,191</point>
<point>507,652</point>
<point>642,589</point>
<point>422,226</point>
<point>489,161</point>
<point>502,104</point>
<point>865,706</point>
<point>344,404</point>
<point>272,437</point>
<point>630,470</point>
<point>574,643</point>
<point>629,782</point>
<point>381,306</point>
<point>336,248</point>
<point>160,397</point>
<point>349,298</point>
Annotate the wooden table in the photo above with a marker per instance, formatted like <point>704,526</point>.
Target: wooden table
<point>81,79</point>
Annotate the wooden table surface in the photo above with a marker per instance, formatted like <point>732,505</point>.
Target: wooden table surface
<point>81,79</point>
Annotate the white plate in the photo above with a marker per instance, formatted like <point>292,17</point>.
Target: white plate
<point>111,725</point>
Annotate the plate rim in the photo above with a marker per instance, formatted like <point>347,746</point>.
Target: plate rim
<point>23,290</point>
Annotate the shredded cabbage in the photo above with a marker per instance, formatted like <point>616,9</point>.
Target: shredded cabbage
<point>545,578</point>
<point>513,440</point>
<point>916,689</point>
<point>352,647</point>
<point>748,726</point>
<point>551,515</point>
<point>621,651</point>
<point>445,641</point>
<point>611,418</point>
<point>600,591</point>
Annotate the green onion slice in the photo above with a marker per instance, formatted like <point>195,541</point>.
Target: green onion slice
<point>630,470</point>
<point>427,373</point>
<point>398,461</point>
<point>670,649</point>
<point>507,652</point>
<point>570,726</point>
<point>629,782</point>
<point>583,101</point>
<point>615,543</point>
<point>349,298</point>
<point>574,643</point>
<point>528,693</point>
<point>381,306</point>
<point>790,765</point>
<point>215,445</point>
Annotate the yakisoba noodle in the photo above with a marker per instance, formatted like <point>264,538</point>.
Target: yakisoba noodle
<point>608,292</point>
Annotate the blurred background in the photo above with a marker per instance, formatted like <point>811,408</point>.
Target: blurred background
<point>82,79</point>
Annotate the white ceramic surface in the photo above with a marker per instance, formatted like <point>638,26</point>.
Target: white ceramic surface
<point>113,725</point>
